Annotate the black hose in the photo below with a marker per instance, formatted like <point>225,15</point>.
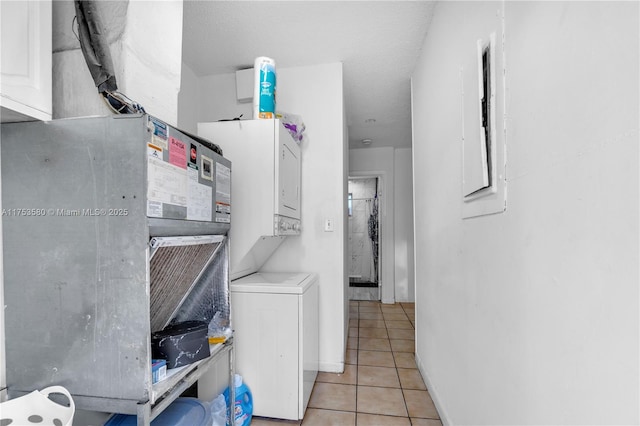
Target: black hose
<point>95,48</point>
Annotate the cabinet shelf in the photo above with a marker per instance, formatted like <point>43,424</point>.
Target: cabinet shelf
<point>177,375</point>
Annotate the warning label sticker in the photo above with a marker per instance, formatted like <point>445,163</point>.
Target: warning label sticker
<point>158,132</point>
<point>177,153</point>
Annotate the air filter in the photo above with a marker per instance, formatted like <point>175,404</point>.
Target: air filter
<point>176,265</point>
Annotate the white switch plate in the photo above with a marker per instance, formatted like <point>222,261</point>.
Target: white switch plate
<point>328,225</point>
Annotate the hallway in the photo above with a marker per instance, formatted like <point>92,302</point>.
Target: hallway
<point>381,384</point>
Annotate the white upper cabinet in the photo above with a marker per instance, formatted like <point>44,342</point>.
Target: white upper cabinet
<point>25,66</point>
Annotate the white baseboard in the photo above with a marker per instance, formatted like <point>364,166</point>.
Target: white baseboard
<point>444,417</point>
<point>331,367</point>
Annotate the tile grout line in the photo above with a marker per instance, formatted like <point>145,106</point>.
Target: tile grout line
<point>357,368</point>
<point>404,398</point>
<point>357,363</point>
<point>388,338</point>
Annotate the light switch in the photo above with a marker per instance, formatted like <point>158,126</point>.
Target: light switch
<point>328,225</point>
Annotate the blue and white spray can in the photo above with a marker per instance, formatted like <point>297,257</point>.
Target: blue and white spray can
<point>264,94</point>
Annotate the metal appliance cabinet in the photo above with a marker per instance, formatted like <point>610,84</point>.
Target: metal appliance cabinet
<point>78,217</point>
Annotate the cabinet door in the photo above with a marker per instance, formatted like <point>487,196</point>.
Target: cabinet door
<point>25,72</point>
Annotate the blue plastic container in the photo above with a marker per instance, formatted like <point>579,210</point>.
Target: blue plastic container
<point>181,412</point>
<point>244,402</point>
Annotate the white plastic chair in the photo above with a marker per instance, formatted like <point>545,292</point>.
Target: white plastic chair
<point>36,408</point>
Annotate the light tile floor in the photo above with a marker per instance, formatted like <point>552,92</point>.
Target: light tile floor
<point>381,384</point>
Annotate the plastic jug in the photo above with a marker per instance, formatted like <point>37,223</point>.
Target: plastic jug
<point>243,409</point>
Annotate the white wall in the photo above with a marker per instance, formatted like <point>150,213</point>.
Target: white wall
<point>531,316</point>
<point>152,60</point>
<point>323,197</point>
<point>218,98</point>
<point>404,274</point>
<point>323,185</point>
<point>147,63</point>
<point>188,100</point>
<point>397,274</point>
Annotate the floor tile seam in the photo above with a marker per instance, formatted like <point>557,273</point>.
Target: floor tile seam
<point>409,388</point>
<point>411,340</point>
<point>385,387</point>
<point>396,366</point>
<point>355,403</point>
<point>382,366</point>
<point>337,410</point>
<point>336,383</point>
<point>426,418</point>
<point>418,417</point>
<point>383,415</point>
<point>406,406</point>
<point>381,387</point>
<point>339,384</point>
<point>389,320</point>
<point>410,369</point>
<point>373,328</point>
<point>373,365</point>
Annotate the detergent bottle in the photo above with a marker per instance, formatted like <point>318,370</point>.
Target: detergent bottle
<point>243,407</point>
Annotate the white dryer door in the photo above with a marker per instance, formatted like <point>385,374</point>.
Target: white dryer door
<point>288,176</point>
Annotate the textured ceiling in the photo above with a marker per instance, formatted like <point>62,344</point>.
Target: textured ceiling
<point>378,43</point>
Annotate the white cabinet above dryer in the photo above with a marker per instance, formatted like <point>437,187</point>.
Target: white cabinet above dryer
<point>25,71</point>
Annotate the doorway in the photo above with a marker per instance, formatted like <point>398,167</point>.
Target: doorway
<point>364,238</point>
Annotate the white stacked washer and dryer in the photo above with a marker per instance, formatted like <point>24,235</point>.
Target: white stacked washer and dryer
<point>274,314</point>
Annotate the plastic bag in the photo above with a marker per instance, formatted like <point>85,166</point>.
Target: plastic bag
<point>294,124</point>
<point>219,411</point>
<point>218,330</point>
